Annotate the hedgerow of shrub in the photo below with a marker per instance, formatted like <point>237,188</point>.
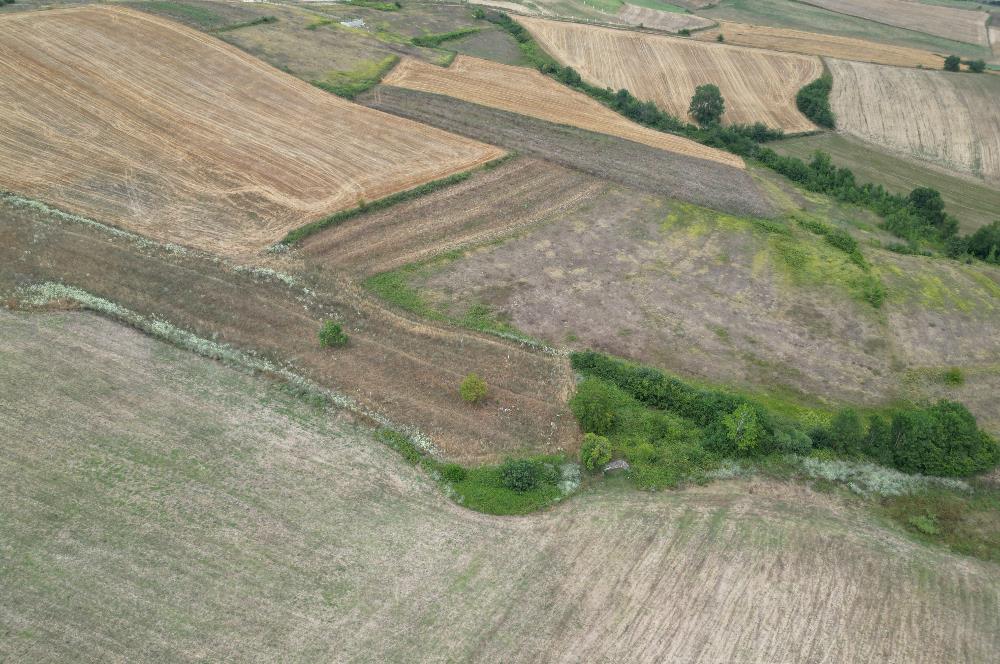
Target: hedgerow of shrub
<point>813,100</point>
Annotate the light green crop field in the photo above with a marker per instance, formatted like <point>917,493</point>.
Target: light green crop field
<point>158,506</point>
<point>972,203</point>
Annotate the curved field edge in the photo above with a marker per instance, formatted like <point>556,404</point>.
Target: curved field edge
<point>155,469</point>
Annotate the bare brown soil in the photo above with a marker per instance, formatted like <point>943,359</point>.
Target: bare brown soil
<point>158,506</point>
<point>608,157</point>
<point>405,369</point>
<point>485,207</point>
<point>758,86</point>
<point>813,43</point>
<point>96,120</point>
<point>964,25</point>
<point>529,92</point>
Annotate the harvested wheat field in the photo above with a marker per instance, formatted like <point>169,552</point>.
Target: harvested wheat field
<point>159,506</point>
<point>529,92</point>
<point>813,43</point>
<point>484,208</point>
<point>99,121</point>
<point>952,120</point>
<point>661,20</point>
<point>758,86</point>
<point>961,25</point>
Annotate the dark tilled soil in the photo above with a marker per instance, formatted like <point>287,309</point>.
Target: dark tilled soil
<point>634,165</point>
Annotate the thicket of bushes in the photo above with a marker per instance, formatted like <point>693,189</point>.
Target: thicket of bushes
<point>917,217</point>
<point>813,101</point>
<point>433,41</point>
<point>669,430</point>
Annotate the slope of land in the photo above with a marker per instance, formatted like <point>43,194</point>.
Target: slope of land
<point>529,92</point>
<point>407,370</point>
<point>607,157</point>
<point>98,121</point>
<point>484,208</point>
<point>949,119</point>
<point>661,20</point>
<point>962,25</point>
<point>813,43</point>
<point>809,18</point>
<point>159,506</point>
<point>766,307</point>
<point>758,86</point>
<point>974,204</point>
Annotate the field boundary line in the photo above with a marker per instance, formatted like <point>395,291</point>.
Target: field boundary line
<point>49,292</point>
<point>297,235</point>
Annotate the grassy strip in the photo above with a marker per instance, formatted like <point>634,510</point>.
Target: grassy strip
<point>435,40</point>
<point>200,15</point>
<point>481,488</point>
<point>246,24</point>
<point>349,84</point>
<point>376,4</point>
<point>303,232</point>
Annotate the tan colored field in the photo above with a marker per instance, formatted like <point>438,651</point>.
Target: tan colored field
<point>158,506</point>
<point>758,86</point>
<point>98,120</point>
<point>813,43</point>
<point>526,91</point>
<point>952,120</point>
<point>958,24</point>
<point>660,20</point>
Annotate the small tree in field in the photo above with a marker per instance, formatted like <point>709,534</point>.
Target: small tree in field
<point>977,66</point>
<point>952,62</point>
<point>707,105</point>
<point>473,389</point>
<point>331,335</point>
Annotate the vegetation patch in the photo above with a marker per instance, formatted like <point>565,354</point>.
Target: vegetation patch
<point>814,101</point>
<point>263,20</point>
<point>966,522</point>
<point>435,40</point>
<point>349,84</point>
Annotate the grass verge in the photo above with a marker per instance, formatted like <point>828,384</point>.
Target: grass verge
<point>349,84</point>
<point>435,40</point>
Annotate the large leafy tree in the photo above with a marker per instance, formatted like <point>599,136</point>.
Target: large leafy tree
<point>707,105</point>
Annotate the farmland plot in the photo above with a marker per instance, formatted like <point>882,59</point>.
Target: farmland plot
<point>961,25</point>
<point>952,120</point>
<point>813,43</point>
<point>758,86</point>
<point>159,506</point>
<point>661,20</point>
<point>98,121</point>
<point>529,92</point>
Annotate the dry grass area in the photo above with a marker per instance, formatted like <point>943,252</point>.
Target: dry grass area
<point>405,369</point>
<point>963,25</point>
<point>758,86</point>
<point>529,92</point>
<point>813,43</point>
<point>96,120</point>
<point>158,506</point>
<point>952,120</point>
<point>661,20</point>
<point>484,208</point>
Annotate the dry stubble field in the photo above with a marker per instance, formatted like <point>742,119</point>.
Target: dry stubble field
<point>813,43</point>
<point>958,125</point>
<point>162,507</point>
<point>661,20</point>
<point>963,25</point>
<point>98,121</point>
<point>529,92</point>
<point>758,86</point>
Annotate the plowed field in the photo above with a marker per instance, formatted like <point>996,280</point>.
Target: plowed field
<point>757,86</point>
<point>529,92</point>
<point>952,120</point>
<point>813,43</point>
<point>208,147</point>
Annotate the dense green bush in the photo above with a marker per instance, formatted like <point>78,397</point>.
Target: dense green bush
<point>707,105</point>
<point>985,243</point>
<point>473,389</point>
<point>595,451</point>
<point>942,439</point>
<point>521,474</point>
<point>332,335</point>
<point>977,66</point>
<point>452,472</point>
<point>813,100</point>
<point>435,40</point>
<point>952,63</point>
<point>596,406</point>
